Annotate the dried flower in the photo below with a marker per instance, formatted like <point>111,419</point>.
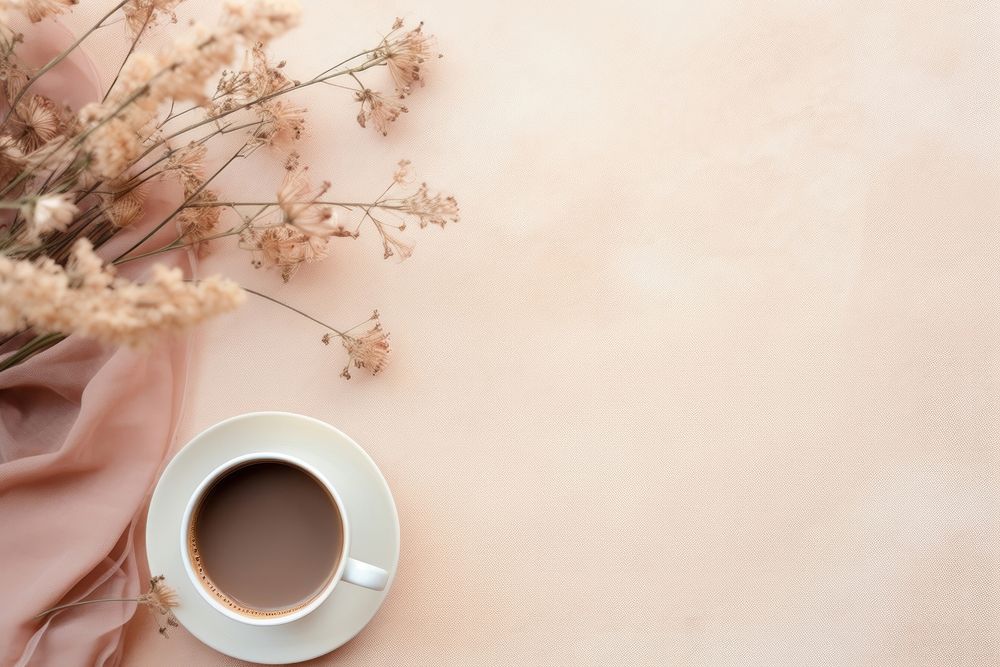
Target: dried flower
<point>434,210</point>
<point>405,55</point>
<point>85,298</point>
<point>120,124</point>
<point>298,202</point>
<point>257,78</point>
<point>48,214</point>
<point>142,14</point>
<point>137,72</point>
<point>370,350</point>
<point>262,78</point>
<point>190,62</point>
<point>112,147</point>
<point>103,156</point>
<point>285,247</point>
<point>54,157</point>
<point>282,123</point>
<point>124,206</point>
<point>378,109</point>
<point>262,20</point>
<point>36,10</point>
<point>160,597</point>
<point>188,163</point>
<point>35,123</point>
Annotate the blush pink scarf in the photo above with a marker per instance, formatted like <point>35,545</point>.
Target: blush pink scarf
<point>84,432</point>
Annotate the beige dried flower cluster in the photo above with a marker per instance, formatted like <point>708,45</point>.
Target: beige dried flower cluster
<point>117,128</point>
<point>407,55</point>
<point>36,10</point>
<point>257,87</point>
<point>86,298</point>
<point>307,223</point>
<point>431,209</point>
<point>369,351</point>
<point>143,14</point>
<point>72,180</point>
<point>404,55</point>
<point>284,247</point>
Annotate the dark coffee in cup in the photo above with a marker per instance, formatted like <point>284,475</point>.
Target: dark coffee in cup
<point>266,538</point>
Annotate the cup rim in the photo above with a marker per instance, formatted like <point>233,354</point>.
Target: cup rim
<point>195,499</point>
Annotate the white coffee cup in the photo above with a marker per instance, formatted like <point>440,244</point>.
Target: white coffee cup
<point>348,569</point>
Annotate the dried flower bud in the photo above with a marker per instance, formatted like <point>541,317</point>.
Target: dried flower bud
<point>405,55</point>
<point>284,247</point>
<point>431,209</point>
<point>35,123</point>
<point>378,109</point>
<point>369,351</point>
<point>85,298</point>
<point>160,600</point>
<point>49,213</point>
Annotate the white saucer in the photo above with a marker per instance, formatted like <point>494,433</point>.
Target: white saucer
<point>369,506</point>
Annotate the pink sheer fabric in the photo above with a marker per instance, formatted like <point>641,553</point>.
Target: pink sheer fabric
<point>84,431</point>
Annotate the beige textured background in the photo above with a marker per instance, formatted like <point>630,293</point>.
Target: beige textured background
<point>708,373</point>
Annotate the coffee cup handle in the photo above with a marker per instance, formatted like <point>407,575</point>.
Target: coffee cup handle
<point>364,574</point>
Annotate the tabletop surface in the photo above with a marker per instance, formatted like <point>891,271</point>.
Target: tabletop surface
<point>707,372</point>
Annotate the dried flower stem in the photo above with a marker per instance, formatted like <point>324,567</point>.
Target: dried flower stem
<point>61,244</point>
<point>81,602</point>
<point>305,315</point>
<point>176,245</point>
<point>302,313</point>
<point>131,50</point>
<point>341,204</point>
<point>37,344</point>
<point>344,62</point>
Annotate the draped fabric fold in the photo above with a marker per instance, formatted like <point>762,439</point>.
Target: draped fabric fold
<point>84,431</point>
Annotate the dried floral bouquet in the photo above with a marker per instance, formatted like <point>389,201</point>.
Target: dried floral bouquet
<point>71,180</point>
